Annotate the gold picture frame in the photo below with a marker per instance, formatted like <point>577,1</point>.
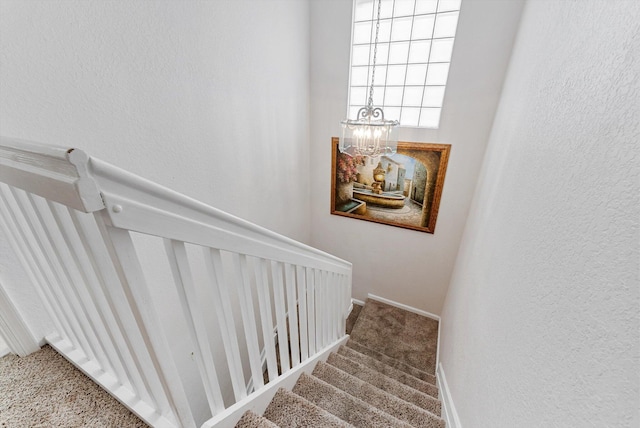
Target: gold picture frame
<point>401,190</point>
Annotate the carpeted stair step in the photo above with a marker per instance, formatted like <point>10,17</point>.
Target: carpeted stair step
<point>344,405</point>
<point>386,370</point>
<point>420,374</point>
<point>385,383</point>
<point>251,420</point>
<point>394,406</point>
<point>289,410</point>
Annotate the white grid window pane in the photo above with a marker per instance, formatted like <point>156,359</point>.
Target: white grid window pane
<point>423,27</point>
<point>362,32</point>
<point>393,96</point>
<point>426,6</point>
<point>383,54</point>
<point>360,55</point>
<point>403,7</point>
<point>413,96</point>
<point>381,75</point>
<point>396,75</point>
<point>437,74</point>
<point>399,53</point>
<point>386,9</point>
<point>401,29</point>
<point>441,50</point>
<point>416,74</point>
<point>410,116</point>
<point>358,95</point>
<point>392,113</point>
<point>415,47</point>
<point>419,51</point>
<point>446,24</point>
<point>448,5</point>
<point>384,35</point>
<point>359,76</point>
<point>364,10</point>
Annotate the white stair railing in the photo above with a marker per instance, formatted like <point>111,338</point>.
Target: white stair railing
<point>75,221</point>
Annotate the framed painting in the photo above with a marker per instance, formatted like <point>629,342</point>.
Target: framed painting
<point>400,190</point>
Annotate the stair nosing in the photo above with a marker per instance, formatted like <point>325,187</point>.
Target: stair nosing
<point>407,368</point>
<point>433,388</point>
<point>372,409</point>
<point>339,422</point>
<point>409,412</point>
<point>436,402</point>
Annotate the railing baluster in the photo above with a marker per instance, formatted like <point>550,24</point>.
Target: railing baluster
<point>116,311</point>
<point>311,310</point>
<point>331,300</point>
<point>55,276</point>
<point>319,309</point>
<point>292,306</point>
<point>248,319</point>
<point>86,262</point>
<point>67,250</point>
<point>326,316</point>
<point>17,230</point>
<point>162,374</point>
<point>317,278</point>
<point>266,318</point>
<point>281,315</point>
<point>302,307</point>
<point>179,263</point>
<point>222,308</point>
<point>339,296</point>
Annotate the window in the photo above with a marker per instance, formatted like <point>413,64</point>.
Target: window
<point>415,43</point>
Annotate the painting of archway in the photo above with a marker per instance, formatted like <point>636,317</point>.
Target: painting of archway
<point>400,190</point>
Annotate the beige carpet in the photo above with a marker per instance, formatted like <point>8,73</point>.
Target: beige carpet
<point>45,390</point>
<point>404,336</point>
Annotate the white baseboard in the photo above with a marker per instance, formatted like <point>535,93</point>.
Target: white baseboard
<point>449,413</point>
<point>357,302</point>
<point>4,350</point>
<point>403,306</point>
<point>13,329</point>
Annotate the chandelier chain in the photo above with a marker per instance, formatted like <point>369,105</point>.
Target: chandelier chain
<point>375,54</point>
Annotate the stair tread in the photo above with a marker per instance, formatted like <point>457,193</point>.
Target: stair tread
<point>289,410</point>
<point>389,371</point>
<point>344,405</point>
<point>386,383</point>
<point>393,362</point>
<point>389,403</point>
<point>251,420</point>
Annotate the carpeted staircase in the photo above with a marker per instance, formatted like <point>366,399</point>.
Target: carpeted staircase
<point>383,377</point>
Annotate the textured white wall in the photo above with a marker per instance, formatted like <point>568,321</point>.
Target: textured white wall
<point>209,98</point>
<point>418,269</point>
<point>541,323</point>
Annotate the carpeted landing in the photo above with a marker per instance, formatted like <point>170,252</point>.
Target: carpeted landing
<point>383,377</point>
<point>45,390</point>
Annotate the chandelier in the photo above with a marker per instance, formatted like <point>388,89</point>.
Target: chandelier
<point>369,134</point>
